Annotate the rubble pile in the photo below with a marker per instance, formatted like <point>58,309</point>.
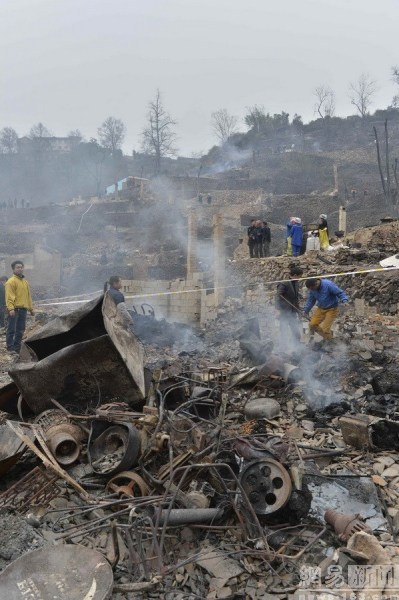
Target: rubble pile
<point>209,463</point>
<point>382,237</point>
<point>375,244</point>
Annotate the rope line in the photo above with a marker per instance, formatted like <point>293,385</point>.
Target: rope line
<point>50,302</point>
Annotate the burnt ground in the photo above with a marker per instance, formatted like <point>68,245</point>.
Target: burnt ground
<point>266,436</point>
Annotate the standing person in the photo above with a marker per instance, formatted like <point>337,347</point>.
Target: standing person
<point>267,238</point>
<point>18,303</point>
<point>113,289</point>
<point>296,235</point>
<point>288,236</point>
<point>323,232</point>
<point>258,233</point>
<point>327,295</point>
<point>251,238</point>
<point>287,302</point>
<point>3,279</point>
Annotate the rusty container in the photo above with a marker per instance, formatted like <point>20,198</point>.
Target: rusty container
<point>345,525</point>
<point>62,436</point>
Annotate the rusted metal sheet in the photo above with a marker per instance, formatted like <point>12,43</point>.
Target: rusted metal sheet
<point>83,324</point>
<point>37,487</point>
<point>77,376</point>
<point>72,572</point>
<point>127,344</point>
<point>86,357</point>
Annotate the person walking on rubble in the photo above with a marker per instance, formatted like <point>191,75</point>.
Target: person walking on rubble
<point>18,303</point>
<point>113,289</point>
<point>288,236</point>
<point>287,302</point>
<point>327,295</point>
<point>258,233</point>
<point>323,233</point>
<point>251,238</point>
<point>296,235</point>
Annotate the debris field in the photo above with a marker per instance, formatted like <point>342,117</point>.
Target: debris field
<point>217,462</point>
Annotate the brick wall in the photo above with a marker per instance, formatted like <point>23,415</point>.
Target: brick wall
<point>178,300</point>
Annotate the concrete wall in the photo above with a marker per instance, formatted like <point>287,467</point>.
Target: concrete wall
<point>47,267</point>
<point>178,300</point>
<point>42,267</point>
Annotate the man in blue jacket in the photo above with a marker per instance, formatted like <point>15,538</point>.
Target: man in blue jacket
<point>296,235</point>
<point>327,295</point>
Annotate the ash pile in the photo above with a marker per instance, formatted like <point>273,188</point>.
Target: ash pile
<point>218,466</point>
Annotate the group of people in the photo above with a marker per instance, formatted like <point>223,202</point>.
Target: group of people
<point>297,242</point>
<point>259,238</point>
<point>14,204</point>
<point>322,292</point>
<point>15,303</point>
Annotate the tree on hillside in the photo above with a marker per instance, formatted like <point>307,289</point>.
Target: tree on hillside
<point>93,156</point>
<point>39,131</point>
<point>223,124</point>
<point>325,101</point>
<point>297,122</point>
<point>8,140</point>
<point>260,122</point>
<point>390,191</point>
<point>361,93</point>
<point>76,133</point>
<point>158,137</point>
<point>256,118</point>
<point>112,133</point>
<point>395,78</point>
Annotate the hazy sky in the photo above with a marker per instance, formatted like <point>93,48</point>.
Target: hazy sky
<point>71,63</point>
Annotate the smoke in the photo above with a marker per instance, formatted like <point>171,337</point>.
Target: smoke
<point>321,372</point>
<point>230,157</point>
<point>316,372</point>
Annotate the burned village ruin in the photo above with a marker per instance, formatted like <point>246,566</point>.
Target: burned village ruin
<point>199,350</point>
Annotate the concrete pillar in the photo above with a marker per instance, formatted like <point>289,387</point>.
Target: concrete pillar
<point>219,258</point>
<point>192,244</point>
<point>342,219</point>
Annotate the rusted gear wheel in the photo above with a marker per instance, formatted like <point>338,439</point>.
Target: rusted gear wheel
<point>129,484</point>
<point>267,484</point>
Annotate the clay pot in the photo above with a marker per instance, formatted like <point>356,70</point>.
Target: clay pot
<point>345,525</point>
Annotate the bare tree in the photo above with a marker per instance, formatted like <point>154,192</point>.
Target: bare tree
<point>390,193</point>
<point>8,140</point>
<point>39,131</point>
<point>158,136</point>
<point>112,133</point>
<point>94,157</point>
<point>325,101</point>
<point>361,93</point>
<point>76,133</point>
<point>395,78</point>
<point>223,124</point>
<point>40,134</point>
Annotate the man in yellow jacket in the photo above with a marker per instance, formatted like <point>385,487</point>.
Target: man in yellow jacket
<point>18,303</point>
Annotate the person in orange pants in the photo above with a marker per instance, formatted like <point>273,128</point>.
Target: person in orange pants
<point>327,295</point>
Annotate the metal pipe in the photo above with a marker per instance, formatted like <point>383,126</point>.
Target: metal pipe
<point>186,516</point>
